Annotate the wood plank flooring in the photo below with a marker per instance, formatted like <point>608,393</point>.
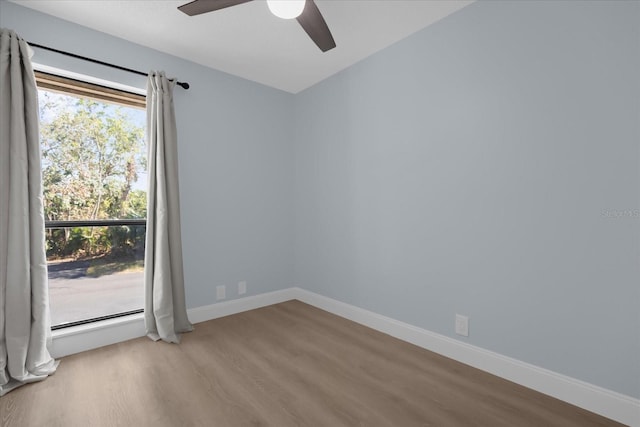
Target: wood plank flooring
<point>289,364</point>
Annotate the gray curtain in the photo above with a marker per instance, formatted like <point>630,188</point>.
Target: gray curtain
<point>25,331</point>
<point>165,312</point>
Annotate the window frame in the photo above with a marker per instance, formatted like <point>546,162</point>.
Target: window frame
<point>75,87</point>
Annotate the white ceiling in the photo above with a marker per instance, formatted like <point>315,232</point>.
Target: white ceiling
<point>248,41</point>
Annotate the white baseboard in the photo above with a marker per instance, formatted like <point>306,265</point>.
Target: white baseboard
<point>81,338</point>
<point>607,403</point>
<point>221,309</point>
<point>596,399</point>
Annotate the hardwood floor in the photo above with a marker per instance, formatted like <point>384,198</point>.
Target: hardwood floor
<point>289,364</point>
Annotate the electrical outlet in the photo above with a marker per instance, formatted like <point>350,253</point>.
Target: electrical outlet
<point>221,292</point>
<point>462,325</point>
<point>242,288</point>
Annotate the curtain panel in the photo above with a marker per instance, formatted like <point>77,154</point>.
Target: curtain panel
<point>165,310</point>
<point>25,331</point>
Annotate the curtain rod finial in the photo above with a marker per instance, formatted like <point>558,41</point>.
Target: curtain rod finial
<point>184,85</point>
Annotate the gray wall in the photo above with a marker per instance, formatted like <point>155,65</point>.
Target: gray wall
<point>488,166</point>
<point>235,154</point>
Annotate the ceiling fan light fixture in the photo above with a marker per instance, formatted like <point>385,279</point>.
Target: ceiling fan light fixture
<point>286,9</point>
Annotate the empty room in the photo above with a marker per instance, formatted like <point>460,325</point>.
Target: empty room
<point>319,213</point>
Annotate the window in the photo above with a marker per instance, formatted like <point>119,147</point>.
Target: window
<point>94,178</point>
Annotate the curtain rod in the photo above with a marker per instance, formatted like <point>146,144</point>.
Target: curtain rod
<point>184,85</point>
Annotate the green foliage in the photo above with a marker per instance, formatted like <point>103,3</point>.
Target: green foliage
<point>92,156</point>
<point>90,242</point>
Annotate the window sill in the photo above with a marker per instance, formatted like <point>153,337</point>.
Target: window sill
<point>76,339</point>
<point>101,324</point>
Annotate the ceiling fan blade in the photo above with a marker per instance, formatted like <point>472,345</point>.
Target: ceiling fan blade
<point>313,23</point>
<point>198,7</point>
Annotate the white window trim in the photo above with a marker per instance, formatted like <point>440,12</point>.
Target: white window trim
<point>89,79</point>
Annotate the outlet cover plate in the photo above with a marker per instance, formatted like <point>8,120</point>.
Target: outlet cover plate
<point>221,292</point>
<point>462,325</point>
<point>242,288</point>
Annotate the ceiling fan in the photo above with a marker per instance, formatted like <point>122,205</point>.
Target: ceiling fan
<point>305,11</point>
